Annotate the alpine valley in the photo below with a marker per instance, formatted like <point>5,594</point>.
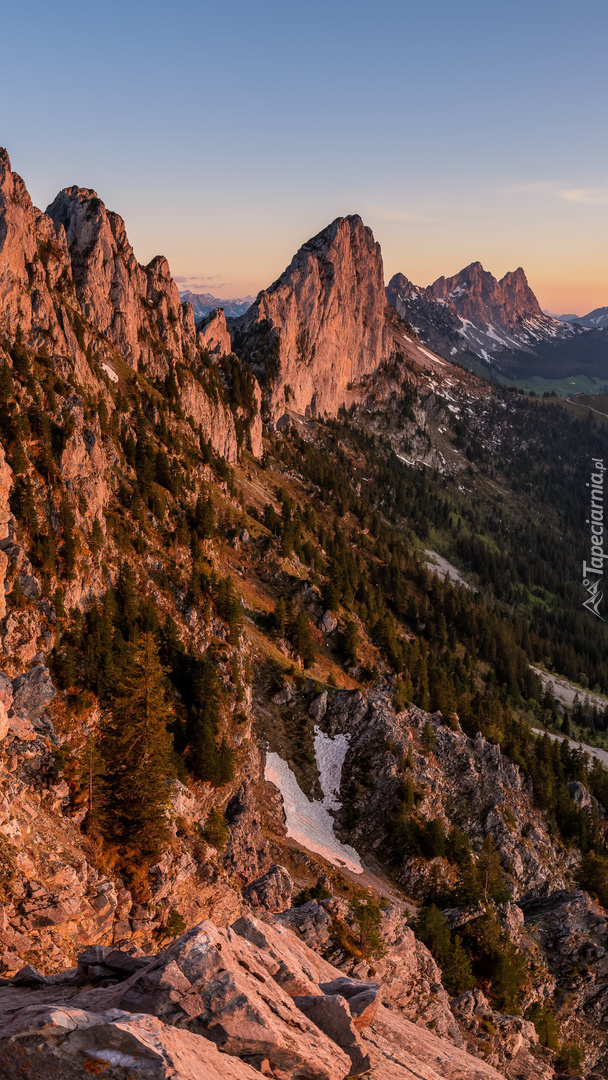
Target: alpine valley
<point>294,671</point>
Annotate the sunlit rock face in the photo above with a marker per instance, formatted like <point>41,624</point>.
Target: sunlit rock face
<point>72,288</point>
<point>320,328</point>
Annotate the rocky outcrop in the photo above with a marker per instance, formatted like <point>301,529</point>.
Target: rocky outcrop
<point>509,1043</point>
<point>273,891</point>
<point>136,308</point>
<point>255,423</point>
<point>248,851</point>
<point>311,921</point>
<point>411,980</point>
<point>331,1013</point>
<point>6,523</point>
<point>61,1043</point>
<point>320,328</point>
<point>34,269</point>
<point>465,782</point>
<point>570,929</point>
<point>216,983</point>
<point>71,287</point>
<point>408,981</point>
<point>213,334</point>
<point>211,415</point>
<point>265,1001</point>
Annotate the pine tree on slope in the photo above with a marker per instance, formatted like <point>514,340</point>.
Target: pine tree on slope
<point>136,748</point>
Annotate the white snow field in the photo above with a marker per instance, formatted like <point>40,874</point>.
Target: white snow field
<point>110,372</point>
<point>329,755</point>
<point>308,822</point>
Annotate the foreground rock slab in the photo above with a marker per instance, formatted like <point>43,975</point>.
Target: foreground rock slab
<point>49,1043</point>
<point>214,982</point>
<point>225,1003</point>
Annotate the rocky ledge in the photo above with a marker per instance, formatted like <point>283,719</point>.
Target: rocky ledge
<point>226,1003</point>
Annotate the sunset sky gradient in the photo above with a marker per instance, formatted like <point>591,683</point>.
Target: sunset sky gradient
<point>227,134</point>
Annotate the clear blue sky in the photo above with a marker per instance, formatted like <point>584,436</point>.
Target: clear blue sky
<point>227,134</point>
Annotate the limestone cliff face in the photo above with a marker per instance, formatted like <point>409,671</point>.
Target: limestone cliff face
<point>35,270</point>
<point>211,416</point>
<point>137,308</point>
<point>70,286</point>
<point>6,518</point>
<point>255,427</point>
<point>321,326</point>
<point>213,333</point>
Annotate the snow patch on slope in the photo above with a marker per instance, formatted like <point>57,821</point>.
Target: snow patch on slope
<point>308,822</point>
<point>329,755</point>
<point>110,372</point>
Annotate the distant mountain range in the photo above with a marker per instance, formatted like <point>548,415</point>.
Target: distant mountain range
<point>498,328</point>
<point>595,320</point>
<point>474,314</point>
<point>203,303</point>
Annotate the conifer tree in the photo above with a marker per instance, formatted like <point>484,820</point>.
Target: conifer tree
<point>280,616</point>
<point>432,928</point>
<point>428,737</point>
<point>136,749</point>
<point>225,763</point>
<point>6,382</point>
<point>23,504</point>
<point>18,458</point>
<point>90,770</point>
<point>490,873</point>
<point>216,830</point>
<point>304,640</point>
<point>204,517</point>
<point>203,724</point>
<point>350,642</point>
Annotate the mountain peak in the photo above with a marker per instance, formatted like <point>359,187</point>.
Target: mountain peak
<point>473,268</point>
<point>82,193</point>
<point>514,278</point>
<point>478,297</point>
<point>338,231</point>
<point>472,312</point>
<point>320,326</point>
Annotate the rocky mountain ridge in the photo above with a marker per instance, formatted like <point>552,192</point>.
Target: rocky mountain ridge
<point>594,320</point>
<point>70,285</point>
<point>473,312</point>
<point>235,1001</point>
